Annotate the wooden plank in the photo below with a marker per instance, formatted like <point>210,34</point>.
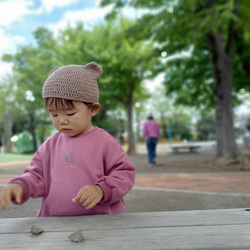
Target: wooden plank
<point>199,237</point>
<point>129,220</point>
<point>206,229</point>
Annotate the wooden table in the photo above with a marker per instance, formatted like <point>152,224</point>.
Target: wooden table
<point>206,229</point>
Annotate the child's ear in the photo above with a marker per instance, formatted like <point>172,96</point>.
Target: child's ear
<point>95,108</point>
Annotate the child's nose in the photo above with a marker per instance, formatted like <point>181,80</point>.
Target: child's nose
<point>63,121</point>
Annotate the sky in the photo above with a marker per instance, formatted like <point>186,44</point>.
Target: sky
<point>19,18</point>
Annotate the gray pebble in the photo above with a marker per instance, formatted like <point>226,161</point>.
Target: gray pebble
<point>76,236</point>
<point>36,230</point>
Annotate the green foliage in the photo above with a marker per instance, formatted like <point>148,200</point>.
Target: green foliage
<point>206,126</point>
<point>125,62</point>
<point>8,91</point>
<point>71,46</point>
<point>110,124</point>
<point>31,66</point>
<point>180,125</point>
<point>182,26</point>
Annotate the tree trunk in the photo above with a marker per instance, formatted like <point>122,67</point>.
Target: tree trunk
<point>221,63</point>
<point>32,130</point>
<point>131,139</point>
<point>7,131</point>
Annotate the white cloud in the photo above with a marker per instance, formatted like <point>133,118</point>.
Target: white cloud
<point>5,47</point>
<point>5,68</point>
<point>8,42</point>
<point>49,5</point>
<point>88,16</point>
<point>5,41</point>
<point>8,45</point>
<point>18,9</point>
<point>13,10</point>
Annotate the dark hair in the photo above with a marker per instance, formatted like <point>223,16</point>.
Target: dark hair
<point>60,103</point>
<point>150,117</point>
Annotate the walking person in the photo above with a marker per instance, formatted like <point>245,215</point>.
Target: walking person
<point>151,133</point>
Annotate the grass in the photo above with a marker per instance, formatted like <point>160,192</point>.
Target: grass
<point>14,157</point>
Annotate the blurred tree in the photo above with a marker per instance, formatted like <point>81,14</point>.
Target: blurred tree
<point>202,30</point>
<point>73,47</point>
<point>7,91</point>
<point>31,66</point>
<point>9,94</point>
<point>205,126</point>
<point>125,62</point>
<point>159,105</point>
<point>248,124</point>
<point>162,108</point>
<point>180,125</point>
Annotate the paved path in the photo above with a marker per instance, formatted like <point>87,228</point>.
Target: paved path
<point>176,183</point>
<point>230,183</point>
<point>163,177</point>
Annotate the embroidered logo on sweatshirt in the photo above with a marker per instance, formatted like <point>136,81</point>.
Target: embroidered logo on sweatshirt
<point>69,157</point>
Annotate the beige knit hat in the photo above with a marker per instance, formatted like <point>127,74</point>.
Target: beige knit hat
<point>74,82</point>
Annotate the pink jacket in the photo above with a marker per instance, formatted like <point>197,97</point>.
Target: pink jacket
<point>63,165</point>
<point>151,128</point>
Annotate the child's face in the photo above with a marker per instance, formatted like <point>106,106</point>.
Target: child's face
<point>72,120</point>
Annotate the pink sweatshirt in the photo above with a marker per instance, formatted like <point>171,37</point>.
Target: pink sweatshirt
<point>151,128</point>
<point>63,165</point>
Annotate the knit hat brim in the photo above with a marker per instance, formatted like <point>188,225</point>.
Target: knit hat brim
<point>74,82</point>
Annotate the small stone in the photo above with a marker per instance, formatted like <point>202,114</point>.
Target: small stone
<point>76,236</point>
<point>36,230</point>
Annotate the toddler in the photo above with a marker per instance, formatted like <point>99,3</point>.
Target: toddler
<point>81,169</point>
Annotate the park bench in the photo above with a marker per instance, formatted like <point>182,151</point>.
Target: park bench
<point>197,229</point>
<point>185,147</point>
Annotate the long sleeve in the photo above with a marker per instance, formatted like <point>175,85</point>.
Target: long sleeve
<point>32,180</point>
<point>119,174</point>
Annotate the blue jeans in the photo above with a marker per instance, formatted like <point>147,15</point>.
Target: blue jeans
<point>151,148</point>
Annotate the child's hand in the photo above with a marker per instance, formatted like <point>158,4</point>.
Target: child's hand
<point>89,196</point>
<point>9,193</point>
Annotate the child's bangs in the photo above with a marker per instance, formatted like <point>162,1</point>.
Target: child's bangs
<point>58,103</point>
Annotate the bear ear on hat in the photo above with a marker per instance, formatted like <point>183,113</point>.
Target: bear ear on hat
<point>94,69</point>
<point>52,71</point>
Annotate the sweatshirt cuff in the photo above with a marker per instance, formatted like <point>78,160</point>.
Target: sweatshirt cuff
<point>24,186</point>
<point>107,192</point>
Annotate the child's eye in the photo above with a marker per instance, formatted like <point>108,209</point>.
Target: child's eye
<point>70,114</point>
<point>53,115</point>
